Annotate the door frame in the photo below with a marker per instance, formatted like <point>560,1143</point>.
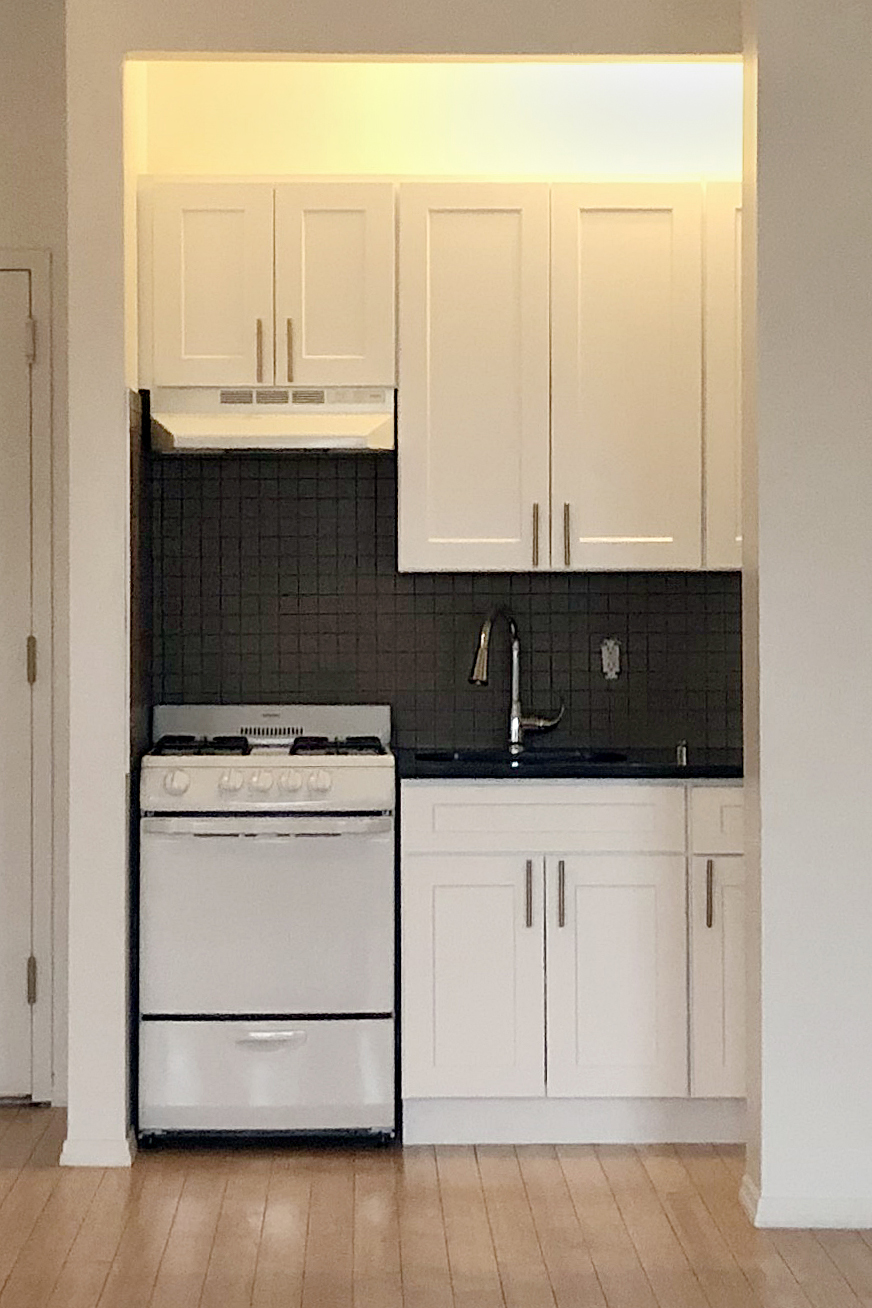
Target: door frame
<point>38,264</point>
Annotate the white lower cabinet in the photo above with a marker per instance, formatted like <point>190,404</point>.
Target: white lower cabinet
<point>615,965</point>
<point>551,934</point>
<point>473,987</point>
<point>717,944</point>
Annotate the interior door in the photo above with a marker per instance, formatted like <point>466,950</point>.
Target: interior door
<point>15,692</point>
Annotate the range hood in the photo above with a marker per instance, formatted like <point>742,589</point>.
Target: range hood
<point>200,419</point>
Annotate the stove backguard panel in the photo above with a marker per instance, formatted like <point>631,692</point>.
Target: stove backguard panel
<point>274,580</point>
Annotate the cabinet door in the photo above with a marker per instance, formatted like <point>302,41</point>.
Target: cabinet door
<point>717,995</point>
<point>335,284</point>
<point>723,368</point>
<point>474,377</point>
<point>212,284</point>
<point>617,975</point>
<point>473,983</point>
<point>626,376</point>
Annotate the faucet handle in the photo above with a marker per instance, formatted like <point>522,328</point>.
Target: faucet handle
<point>544,724</point>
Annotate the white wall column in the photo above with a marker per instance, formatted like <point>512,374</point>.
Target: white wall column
<point>813,575</point>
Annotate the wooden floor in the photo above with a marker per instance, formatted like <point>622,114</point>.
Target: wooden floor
<point>532,1227</point>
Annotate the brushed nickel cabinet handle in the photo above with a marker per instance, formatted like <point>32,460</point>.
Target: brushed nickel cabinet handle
<point>567,538</point>
<point>561,893</point>
<point>709,892</point>
<point>290,351</point>
<point>529,889</point>
<point>535,535</point>
<point>259,343</point>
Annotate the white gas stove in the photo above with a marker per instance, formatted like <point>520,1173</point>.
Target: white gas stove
<point>267,920</point>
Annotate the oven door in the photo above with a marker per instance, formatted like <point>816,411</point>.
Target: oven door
<point>261,915</point>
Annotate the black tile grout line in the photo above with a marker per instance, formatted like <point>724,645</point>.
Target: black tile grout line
<point>274,579</point>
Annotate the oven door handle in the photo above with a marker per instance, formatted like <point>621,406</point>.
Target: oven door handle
<point>272,1039</point>
<point>255,827</point>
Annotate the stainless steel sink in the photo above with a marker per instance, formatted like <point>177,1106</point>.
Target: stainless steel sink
<point>528,760</point>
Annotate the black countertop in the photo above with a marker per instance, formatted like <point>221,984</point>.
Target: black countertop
<point>569,763</point>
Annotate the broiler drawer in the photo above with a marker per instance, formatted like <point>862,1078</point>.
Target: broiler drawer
<point>208,1075</point>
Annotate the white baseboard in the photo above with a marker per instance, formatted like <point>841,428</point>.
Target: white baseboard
<point>573,1121</point>
<point>99,1153</point>
<point>749,1198</point>
<point>817,1212</point>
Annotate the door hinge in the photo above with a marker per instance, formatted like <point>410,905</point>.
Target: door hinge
<point>31,980</point>
<point>30,339</point>
<point>31,659</point>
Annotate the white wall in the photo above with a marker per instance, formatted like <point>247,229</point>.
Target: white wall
<point>33,216</point>
<point>814,507</point>
<point>99,36</point>
<point>603,119</point>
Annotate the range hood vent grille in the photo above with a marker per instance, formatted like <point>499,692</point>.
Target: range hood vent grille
<point>236,397</point>
<point>307,397</point>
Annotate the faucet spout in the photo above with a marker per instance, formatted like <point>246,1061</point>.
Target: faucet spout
<point>479,674</point>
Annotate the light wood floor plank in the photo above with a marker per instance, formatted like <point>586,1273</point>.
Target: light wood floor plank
<point>717,1271</point>
<point>670,1274</point>
<point>819,1277</point>
<point>182,1270</point>
<point>20,1212</point>
<point>771,1279</point>
<point>377,1277</point>
<point>328,1269</point>
<point>229,1279</point>
<point>475,1279</point>
<point>149,1217</point>
<point>22,1136</point>
<point>733,1157</point>
<point>42,1257</point>
<point>570,1269</point>
<point>278,1277</point>
<point>612,1252</point>
<point>423,1247</point>
<point>523,1274</point>
<point>8,1114</point>
<point>853,1257</point>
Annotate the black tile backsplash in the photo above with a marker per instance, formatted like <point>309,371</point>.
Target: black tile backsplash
<point>275,581</point>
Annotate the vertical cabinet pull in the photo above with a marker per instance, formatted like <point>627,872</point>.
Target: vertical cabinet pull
<point>709,892</point>
<point>561,893</point>
<point>259,347</point>
<point>529,891</point>
<point>290,351</point>
<point>567,538</point>
<point>535,535</point>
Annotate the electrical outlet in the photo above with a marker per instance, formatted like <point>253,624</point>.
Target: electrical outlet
<point>610,651</point>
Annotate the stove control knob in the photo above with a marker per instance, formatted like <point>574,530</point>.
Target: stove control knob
<point>261,781</point>
<point>176,783</point>
<point>320,781</point>
<point>230,780</point>
<point>291,782</point>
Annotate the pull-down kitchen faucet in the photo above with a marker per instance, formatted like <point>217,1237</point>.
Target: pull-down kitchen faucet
<point>518,724</point>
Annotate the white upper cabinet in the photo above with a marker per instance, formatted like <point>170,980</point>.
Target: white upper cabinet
<point>473,987</point>
<point>334,253</point>
<point>626,376</point>
<point>210,284</point>
<point>616,966</point>
<point>723,401</point>
<point>473,377</point>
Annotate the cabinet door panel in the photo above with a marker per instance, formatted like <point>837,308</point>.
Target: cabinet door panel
<point>626,376</point>
<point>717,977</point>
<point>723,399</point>
<point>473,1004</point>
<point>473,394</point>
<point>212,284</point>
<point>617,976</point>
<point>335,284</point>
